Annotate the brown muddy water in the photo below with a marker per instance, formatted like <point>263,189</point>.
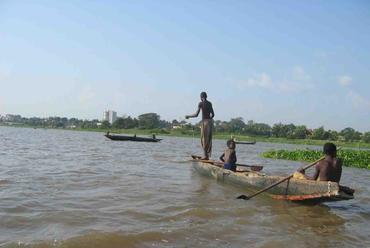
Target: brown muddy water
<point>79,189</point>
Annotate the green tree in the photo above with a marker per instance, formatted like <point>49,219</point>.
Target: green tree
<point>320,134</point>
<point>90,124</point>
<point>236,124</point>
<point>175,123</point>
<point>125,123</point>
<point>75,121</point>
<point>276,129</point>
<point>64,120</point>
<point>300,132</point>
<point>262,129</point>
<point>119,123</point>
<point>349,134</point>
<point>333,135</point>
<point>283,130</point>
<point>221,126</point>
<point>131,122</point>
<point>164,124</point>
<point>253,128</point>
<point>149,121</point>
<point>366,137</point>
<point>105,125</point>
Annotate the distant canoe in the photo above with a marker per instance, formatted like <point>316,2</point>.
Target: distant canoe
<point>296,190</point>
<point>130,138</point>
<point>245,142</point>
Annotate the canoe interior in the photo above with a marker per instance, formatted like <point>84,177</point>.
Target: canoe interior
<point>296,190</point>
<point>218,163</point>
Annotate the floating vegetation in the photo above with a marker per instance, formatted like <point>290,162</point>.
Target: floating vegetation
<point>351,158</point>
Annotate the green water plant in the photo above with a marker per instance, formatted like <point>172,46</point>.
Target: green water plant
<point>351,158</point>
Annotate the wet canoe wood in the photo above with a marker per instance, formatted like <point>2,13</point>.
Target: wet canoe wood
<point>297,190</point>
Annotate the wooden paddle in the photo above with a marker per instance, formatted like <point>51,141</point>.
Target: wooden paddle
<point>244,197</point>
<point>252,167</point>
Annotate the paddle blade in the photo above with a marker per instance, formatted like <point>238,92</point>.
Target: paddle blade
<point>243,197</point>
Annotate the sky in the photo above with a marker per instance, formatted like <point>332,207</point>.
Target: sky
<point>301,62</point>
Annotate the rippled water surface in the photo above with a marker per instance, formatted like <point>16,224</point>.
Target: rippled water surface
<point>78,189</point>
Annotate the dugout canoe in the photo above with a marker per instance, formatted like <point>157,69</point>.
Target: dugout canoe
<point>245,142</point>
<point>130,138</point>
<point>296,190</point>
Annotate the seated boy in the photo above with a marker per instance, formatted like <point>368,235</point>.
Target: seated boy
<point>229,156</point>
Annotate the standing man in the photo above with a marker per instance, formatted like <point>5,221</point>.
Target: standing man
<point>207,124</point>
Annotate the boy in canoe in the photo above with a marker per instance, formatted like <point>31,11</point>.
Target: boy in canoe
<point>206,124</point>
<point>328,169</point>
<point>229,156</point>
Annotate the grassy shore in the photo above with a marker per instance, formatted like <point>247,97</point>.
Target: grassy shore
<point>223,136</point>
<point>351,158</point>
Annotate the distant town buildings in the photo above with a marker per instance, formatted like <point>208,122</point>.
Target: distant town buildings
<point>110,116</point>
<point>11,118</point>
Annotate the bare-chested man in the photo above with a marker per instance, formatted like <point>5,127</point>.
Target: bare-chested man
<point>207,124</point>
<point>329,169</point>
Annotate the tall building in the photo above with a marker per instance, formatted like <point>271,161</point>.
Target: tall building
<point>110,116</point>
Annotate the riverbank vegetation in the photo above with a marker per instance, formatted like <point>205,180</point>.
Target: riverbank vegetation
<point>351,158</point>
<point>149,123</point>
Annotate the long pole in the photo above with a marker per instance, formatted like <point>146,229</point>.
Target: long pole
<point>244,197</point>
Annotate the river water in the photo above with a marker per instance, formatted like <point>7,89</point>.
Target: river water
<point>78,189</point>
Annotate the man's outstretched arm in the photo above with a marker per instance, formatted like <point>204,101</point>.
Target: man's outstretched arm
<point>193,115</point>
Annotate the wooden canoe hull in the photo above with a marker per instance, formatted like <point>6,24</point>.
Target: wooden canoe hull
<point>245,142</point>
<point>297,190</point>
<point>130,138</point>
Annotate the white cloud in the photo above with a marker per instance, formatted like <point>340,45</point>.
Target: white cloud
<point>299,74</point>
<point>263,81</point>
<point>358,101</point>
<point>344,80</point>
<point>296,81</point>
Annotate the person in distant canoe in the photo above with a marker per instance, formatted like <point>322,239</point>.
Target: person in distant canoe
<point>207,124</point>
<point>229,156</point>
<point>328,169</point>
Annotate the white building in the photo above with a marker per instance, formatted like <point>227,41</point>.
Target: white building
<point>110,116</point>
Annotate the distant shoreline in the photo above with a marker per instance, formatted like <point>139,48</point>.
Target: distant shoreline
<point>195,134</point>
